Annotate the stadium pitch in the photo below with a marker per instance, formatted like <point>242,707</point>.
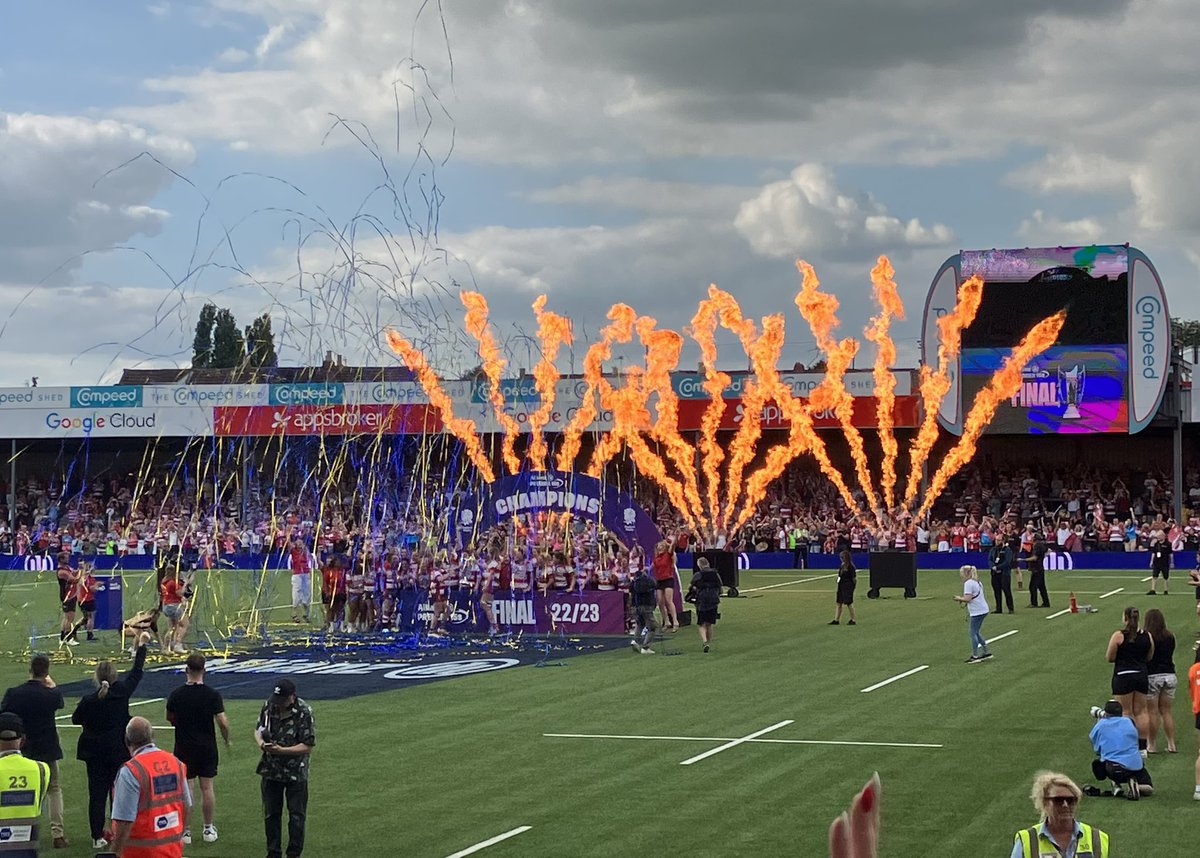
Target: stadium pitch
<point>750,749</point>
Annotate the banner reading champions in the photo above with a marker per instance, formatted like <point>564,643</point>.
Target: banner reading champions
<point>531,492</point>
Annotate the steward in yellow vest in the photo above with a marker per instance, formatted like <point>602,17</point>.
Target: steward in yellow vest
<point>23,784</point>
<point>1060,834</point>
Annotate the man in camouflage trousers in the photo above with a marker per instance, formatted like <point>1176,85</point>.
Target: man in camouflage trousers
<point>286,736</point>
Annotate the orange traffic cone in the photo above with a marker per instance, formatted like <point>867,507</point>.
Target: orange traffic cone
<point>1074,604</point>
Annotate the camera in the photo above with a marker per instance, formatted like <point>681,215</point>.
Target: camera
<point>1098,712</point>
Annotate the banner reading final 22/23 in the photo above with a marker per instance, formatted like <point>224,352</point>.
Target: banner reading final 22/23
<point>574,612</point>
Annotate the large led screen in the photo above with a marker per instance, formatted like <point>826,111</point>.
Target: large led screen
<point>1078,385</point>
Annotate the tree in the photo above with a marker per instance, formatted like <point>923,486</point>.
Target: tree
<point>229,348</point>
<point>1186,333</point>
<point>260,343</point>
<point>202,345</point>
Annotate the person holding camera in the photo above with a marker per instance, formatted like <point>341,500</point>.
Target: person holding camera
<point>643,592</point>
<point>1115,740</point>
<point>705,593</point>
<point>286,735</point>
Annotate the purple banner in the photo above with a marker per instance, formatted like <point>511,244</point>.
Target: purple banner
<point>587,612</point>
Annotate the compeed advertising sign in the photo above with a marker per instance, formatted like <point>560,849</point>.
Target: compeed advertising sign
<point>320,393</point>
<point>1149,341</point>
<point>115,396</point>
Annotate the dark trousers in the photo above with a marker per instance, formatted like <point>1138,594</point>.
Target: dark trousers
<point>101,775</point>
<point>1002,586</point>
<point>273,793</point>
<point>800,556</point>
<point>1037,584</point>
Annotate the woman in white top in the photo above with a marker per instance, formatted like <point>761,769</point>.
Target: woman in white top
<point>977,611</point>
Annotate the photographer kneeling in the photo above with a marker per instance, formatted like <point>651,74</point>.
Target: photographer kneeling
<point>1115,739</point>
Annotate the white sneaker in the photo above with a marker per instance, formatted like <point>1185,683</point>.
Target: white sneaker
<point>187,837</point>
<point>647,651</point>
<point>100,844</point>
<point>210,834</point>
<point>179,649</point>
<point>1196,795</point>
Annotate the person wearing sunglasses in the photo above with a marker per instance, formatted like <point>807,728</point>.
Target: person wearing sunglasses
<point>1056,798</point>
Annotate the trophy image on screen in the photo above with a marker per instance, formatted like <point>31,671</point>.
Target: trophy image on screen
<point>1070,384</point>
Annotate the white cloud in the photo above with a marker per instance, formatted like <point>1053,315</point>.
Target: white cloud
<point>1040,228</point>
<point>808,214</point>
<point>271,39</point>
<point>1071,170</point>
<point>56,200</point>
<point>232,56</point>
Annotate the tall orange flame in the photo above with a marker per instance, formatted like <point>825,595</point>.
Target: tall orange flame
<point>1002,385</point>
<point>620,329</point>
<point>553,331</point>
<point>462,428</point>
<point>703,330</point>
<point>493,367</point>
<point>935,384</point>
<point>879,332</point>
<point>819,309</point>
<point>663,348</point>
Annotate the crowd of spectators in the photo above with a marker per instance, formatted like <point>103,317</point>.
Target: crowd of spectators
<point>1084,508</point>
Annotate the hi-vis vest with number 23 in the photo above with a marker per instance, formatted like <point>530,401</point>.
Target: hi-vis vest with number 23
<point>22,787</point>
<point>1035,845</point>
<point>162,811</point>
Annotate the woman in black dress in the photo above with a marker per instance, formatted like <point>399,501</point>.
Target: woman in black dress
<point>103,715</point>
<point>1129,651</point>
<point>847,578</point>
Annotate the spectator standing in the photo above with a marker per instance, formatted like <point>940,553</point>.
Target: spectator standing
<point>286,735</point>
<point>1162,681</point>
<point>1000,559</point>
<point>21,811</point>
<point>150,799</point>
<point>35,703</point>
<point>1055,797</point>
<point>1037,572</point>
<point>103,716</point>
<point>1129,651</point>
<point>643,592</point>
<point>706,593</point>
<point>977,611</point>
<point>1194,688</point>
<point>665,574</point>
<point>301,562</point>
<point>193,708</point>
<point>1160,563</point>
<point>847,579</point>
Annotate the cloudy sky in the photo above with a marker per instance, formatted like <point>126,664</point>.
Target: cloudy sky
<point>349,164</point>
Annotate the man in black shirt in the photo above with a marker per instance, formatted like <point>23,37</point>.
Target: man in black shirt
<point>36,702</point>
<point>192,709</point>
<point>1160,564</point>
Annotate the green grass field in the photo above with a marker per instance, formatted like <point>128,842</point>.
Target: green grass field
<point>432,769</point>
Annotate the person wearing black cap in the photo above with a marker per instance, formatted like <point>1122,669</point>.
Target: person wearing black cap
<point>23,786</point>
<point>35,702</point>
<point>286,735</point>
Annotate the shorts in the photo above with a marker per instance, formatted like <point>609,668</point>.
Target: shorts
<point>173,612</point>
<point>1128,683</point>
<point>845,595</point>
<point>334,601</point>
<point>1161,571</point>
<point>200,763</point>
<point>1198,720</point>
<point>88,607</point>
<point>1164,684</point>
<point>664,583</point>
<point>68,605</point>
<point>707,617</point>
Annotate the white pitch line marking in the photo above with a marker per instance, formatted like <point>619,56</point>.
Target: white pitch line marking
<point>491,841</point>
<point>733,743</point>
<point>135,703</point>
<point>788,583</point>
<point>748,741</point>
<point>895,678</point>
<point>1059,614</point>
<point>1113,592</point>
<point>1144,580</point>
<point>1002,637</point>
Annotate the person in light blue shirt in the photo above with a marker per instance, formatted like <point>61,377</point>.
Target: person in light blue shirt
<point>1115,740</point>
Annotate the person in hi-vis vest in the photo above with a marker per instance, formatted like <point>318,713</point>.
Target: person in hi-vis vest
<point>23,784</point>
<point>1060,834</point>
<point>150,800</point>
